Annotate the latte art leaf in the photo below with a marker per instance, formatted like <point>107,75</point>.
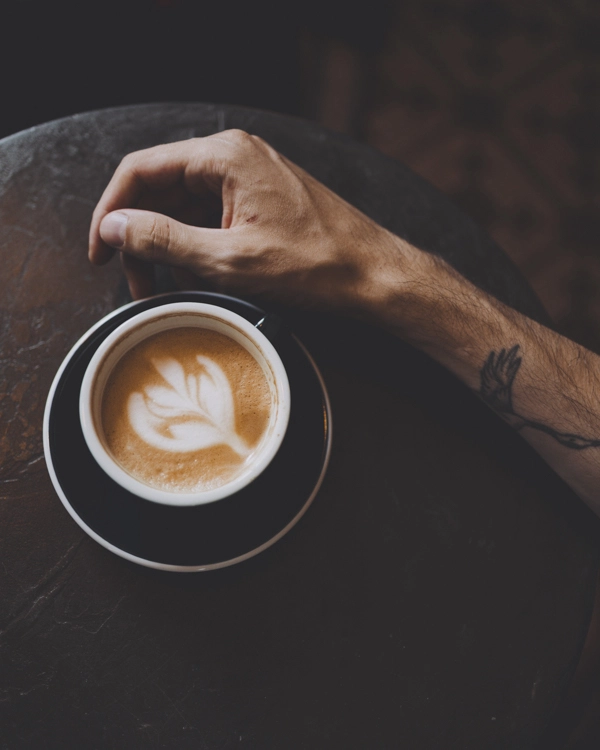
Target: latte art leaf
<point>190,413</point>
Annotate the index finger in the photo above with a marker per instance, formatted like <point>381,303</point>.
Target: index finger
<point>156,168</point>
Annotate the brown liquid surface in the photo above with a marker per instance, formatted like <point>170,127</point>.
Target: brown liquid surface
<point>137,373</point>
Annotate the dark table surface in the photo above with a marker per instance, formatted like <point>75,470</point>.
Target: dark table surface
<point>435,595</point>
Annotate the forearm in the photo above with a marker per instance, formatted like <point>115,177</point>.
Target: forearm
<point>286,236</point>
<point>544,385</point>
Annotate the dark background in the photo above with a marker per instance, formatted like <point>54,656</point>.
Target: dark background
<point>63,58</point>
<point>496,103</point>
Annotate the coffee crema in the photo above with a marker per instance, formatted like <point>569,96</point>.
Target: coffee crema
<point>185,409</point>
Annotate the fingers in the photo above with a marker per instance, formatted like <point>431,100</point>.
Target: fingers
<point>198,165</point>
<point>157,168</point>
<point>144,238</point>
<point>139,275</point>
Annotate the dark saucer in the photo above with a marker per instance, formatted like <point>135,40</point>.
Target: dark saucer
<point>205,536</point>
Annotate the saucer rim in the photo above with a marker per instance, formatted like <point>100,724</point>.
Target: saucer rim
<point>151,563</point>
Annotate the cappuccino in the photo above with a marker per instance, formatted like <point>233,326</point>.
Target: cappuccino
<point>185,410</point>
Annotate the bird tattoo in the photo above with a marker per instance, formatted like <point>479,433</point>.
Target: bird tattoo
<point>497,377</point>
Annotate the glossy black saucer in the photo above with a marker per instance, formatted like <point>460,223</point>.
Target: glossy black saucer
<point>206,536</point>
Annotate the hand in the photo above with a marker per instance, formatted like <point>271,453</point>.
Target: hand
<point>279,232</point>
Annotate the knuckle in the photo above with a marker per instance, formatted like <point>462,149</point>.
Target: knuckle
<point>157,238</point>
<point>131,164</point>
<point>130,160</point>
<point>240,141</point>
<point>257,140</point>
<point>237,135</point>
<point>134,159</point>
<point>266,149</point>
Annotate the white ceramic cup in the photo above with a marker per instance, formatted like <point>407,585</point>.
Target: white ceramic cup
<point>163,318</point>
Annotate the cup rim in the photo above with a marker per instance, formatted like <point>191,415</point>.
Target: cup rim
<point>185,499</point>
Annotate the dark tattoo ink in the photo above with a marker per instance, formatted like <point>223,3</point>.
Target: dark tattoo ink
<point>497,378</point>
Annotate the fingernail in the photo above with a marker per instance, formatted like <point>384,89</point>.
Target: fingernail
<point>113,228</point>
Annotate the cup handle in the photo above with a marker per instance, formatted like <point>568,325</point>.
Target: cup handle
<point>270,326</point>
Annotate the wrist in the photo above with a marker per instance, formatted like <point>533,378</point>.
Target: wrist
<point>428,304</point>
<point>378,276</point>
<point>401,287</point>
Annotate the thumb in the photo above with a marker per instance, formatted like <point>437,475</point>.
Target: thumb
<point>157,238</point>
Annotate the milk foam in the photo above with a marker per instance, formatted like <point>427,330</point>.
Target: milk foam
<point>186,409</point>
<point>190,412</point>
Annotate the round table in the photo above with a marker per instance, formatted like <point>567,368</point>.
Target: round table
<point>435,595</point>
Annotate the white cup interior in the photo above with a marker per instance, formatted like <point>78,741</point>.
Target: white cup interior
<point>178,315</point>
